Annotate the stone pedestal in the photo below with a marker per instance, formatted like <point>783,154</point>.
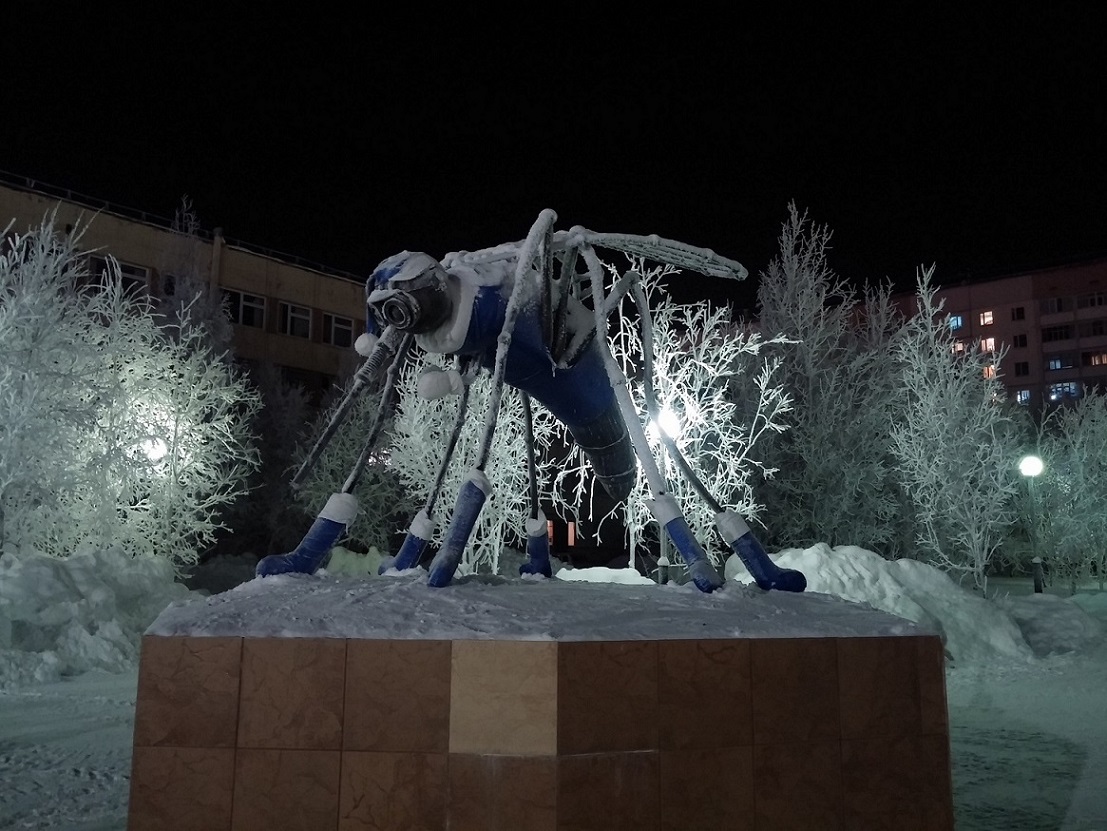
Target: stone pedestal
<point>496,734</point>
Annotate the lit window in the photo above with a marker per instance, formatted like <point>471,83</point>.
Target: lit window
<point>958,347</point>
<point>1023,396</point>
<point>990,371</point>
<point>245,309</point>
<point>988,344</point>
<point>1066,389</point>
<point>956,322</point>
<point>338,331</point>
<point>986,318</point>
<point>295,320</point>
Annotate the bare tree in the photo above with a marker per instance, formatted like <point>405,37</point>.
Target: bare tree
<point>834,480</point>
<point>421,434</point>
<point>1065,502</point>
<point>120,431</point>
<point>954,441</point>
<point>721,395</point>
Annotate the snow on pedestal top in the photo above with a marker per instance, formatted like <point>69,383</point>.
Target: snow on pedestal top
<point>573,608</point>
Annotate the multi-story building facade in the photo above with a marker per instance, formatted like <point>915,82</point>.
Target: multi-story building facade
<point>299,316</point>
<point>1052,322</point>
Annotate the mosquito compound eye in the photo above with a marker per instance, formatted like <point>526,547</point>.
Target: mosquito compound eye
<point>400,311</point>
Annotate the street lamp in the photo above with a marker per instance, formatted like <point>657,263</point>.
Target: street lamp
<point>1031,467</point>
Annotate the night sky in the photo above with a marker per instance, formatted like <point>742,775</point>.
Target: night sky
<point>965,140</point>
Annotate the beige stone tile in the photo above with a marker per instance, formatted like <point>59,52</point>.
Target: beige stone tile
<point>292,693</point>
<point>397,695</point>
<point>502,793</point>
<point>294,790</point>
<point>181,788</point>
<point>794,686</point>
<point>707,789</point>
<point>607,693</point>
<point>932,686</point>
<point>503,697</point>
<point>798,786</point>
<point>878,679</point>
<point>711,677</point>
<point>187,692</point>
<point>609,792</point>
<point>393,791</point>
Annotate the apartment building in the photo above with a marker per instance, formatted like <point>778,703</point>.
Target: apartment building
<point>1052,322</point>
<point>299,316</point>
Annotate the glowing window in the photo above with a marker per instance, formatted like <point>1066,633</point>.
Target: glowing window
<point>986,318</point>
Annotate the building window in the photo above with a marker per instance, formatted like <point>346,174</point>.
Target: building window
<point>1022,368</point>
<point>338,331</point>
<point>295,320</point>
<point>1019,341</point>
<point>1093,328</point>
<point>988,344</point>
<point>986,318</point>
<point>1052,305</point>
<point>1023,396</point>
<point>1054,333</point>
<point>958,347</point>
<point>134,278</point>
<point>1018,313</point>
<point>990,371</point>
<point>1066,389</point>
<point>1086,301</point>
<point>245,309</point>
<point>1094,359</point>
<point>956,322</point>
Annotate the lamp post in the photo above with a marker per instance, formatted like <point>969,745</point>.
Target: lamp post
<point>1031,467</point>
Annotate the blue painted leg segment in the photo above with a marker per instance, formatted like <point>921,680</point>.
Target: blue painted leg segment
<point>317,543</point>
<point>418,537</point>
<point>703,574</point>
<point>470,500</point>
<point>538,547</point>
<point>767,574</point>
<point>409,555</point>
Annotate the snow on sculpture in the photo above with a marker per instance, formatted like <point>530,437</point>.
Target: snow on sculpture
<point>534,314</point>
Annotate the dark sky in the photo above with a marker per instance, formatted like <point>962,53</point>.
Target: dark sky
<point>966,140</point>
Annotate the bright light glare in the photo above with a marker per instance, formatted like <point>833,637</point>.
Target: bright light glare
<point>1030,466</point>
<point>155,449</point>
<point>669,422</point>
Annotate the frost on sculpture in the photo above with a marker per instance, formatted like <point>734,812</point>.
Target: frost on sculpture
<point>534,314</point>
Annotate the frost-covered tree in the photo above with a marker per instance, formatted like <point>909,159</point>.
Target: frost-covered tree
<point>184,281</point>
<point>114,430</point>
<point>834,479</point>
<point>954,441</point>
<point>422,431</point>
<point>1064,504</point>
<point>704,367</point>
<point>384,504</point>
<point>266,520</point>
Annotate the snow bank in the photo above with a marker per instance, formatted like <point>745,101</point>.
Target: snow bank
<point>972,628</point>
<point>64,617</point>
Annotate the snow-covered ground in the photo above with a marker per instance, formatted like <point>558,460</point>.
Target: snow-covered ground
<point>1027,680</point>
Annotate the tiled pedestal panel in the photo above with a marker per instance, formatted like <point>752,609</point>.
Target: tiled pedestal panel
<point>498,735</point>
